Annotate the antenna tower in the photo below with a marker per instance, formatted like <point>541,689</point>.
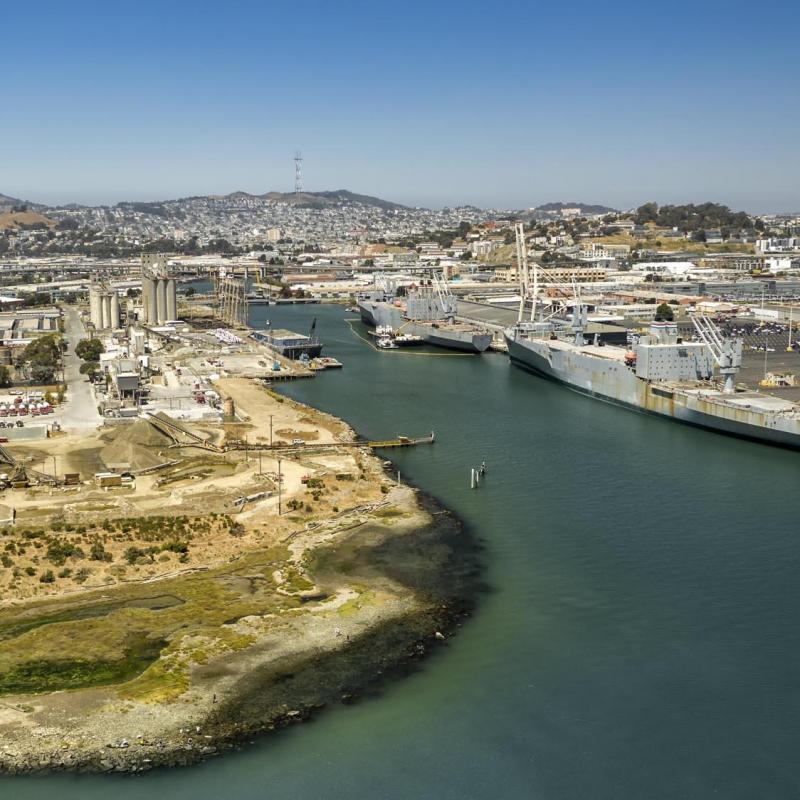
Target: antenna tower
<point>298,172</point>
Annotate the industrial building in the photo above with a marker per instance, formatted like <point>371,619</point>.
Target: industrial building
<point>159,293</point>
<point>103,307</point>
<point>19,328</point>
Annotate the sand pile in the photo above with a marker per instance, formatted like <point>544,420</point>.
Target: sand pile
<point>136,447</point>
<point>142,433</point>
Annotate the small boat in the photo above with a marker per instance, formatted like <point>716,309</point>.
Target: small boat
<point>385,343</point>
<point>408,340</point>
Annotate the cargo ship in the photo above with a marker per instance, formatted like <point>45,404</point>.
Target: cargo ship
<point>660,374</point>
<point>428,312</point>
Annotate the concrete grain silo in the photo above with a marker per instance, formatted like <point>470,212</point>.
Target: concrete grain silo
<point>95,307</point>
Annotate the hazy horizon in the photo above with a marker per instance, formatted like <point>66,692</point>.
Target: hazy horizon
<point>428,106</point>
<point>583,201</point>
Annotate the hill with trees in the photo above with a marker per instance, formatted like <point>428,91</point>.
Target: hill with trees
<point>587,209</point>
<point>694,218</point>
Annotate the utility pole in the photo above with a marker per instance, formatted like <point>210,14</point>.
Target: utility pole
<point>279,486</point>
<point>270,430</point>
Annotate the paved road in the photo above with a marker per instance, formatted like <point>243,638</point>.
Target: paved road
<point>79,412</point>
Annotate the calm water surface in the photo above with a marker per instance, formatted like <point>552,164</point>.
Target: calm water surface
<point>640,639</point>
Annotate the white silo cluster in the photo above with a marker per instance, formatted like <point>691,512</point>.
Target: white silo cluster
<point>103,307</point>
<point>159,293</point>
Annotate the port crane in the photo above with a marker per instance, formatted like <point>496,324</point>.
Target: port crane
<point>440,289</point>
<point>727,352</point>
<point>529,284</point>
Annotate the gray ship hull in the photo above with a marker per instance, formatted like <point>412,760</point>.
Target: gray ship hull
<point>751,416</point>
<point>374,312</point>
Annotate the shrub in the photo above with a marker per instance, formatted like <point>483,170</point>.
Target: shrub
<point>176,547</point>
<point>58,552</point>
<point>98,552</point>
<point>47,577</point>
<point>81,575</point>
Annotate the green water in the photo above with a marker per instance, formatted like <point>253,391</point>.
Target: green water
<point>640,639</point>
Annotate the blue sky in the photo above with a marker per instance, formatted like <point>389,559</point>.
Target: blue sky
<point>436,103</point>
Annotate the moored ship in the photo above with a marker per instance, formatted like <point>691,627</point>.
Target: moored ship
<point>662,375</point>
<point>428,312</point>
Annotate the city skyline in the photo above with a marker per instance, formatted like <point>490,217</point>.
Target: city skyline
<point>429,107</point>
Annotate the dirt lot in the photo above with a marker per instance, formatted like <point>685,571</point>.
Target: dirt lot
<point>209,493</point>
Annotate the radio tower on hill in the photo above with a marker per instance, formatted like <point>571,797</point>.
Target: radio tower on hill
<point>298,172</point>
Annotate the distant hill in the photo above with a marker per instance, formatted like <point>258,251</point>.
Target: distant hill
<point>329,198</point>
<point>586,208</point>
<point>24,219</point>
<point>10,202</point>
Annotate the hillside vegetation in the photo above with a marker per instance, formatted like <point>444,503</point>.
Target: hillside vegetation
<point>25,219</point>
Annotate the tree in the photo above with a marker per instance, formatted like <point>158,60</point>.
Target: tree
<point>5,377</point>
<point>191,291</point>
<point>89,349</point>
<point>89,368</point>
<point>647,213</point>
<point>466,255</point>
<point>664,313</point>
<point>43,357</point>
<point>43,373</point>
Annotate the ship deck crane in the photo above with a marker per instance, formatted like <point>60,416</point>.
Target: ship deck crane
<point>529,282</point>
<point>727,353</point>
<point>522,269</point>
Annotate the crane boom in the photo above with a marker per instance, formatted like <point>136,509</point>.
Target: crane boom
<point>727,353</point>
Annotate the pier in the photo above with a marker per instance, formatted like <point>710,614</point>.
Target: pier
<point>399,441</point>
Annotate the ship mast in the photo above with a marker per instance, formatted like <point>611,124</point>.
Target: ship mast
<point>522,267</point>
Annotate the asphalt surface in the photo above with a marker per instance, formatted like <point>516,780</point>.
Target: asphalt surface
<point>79,412</point>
